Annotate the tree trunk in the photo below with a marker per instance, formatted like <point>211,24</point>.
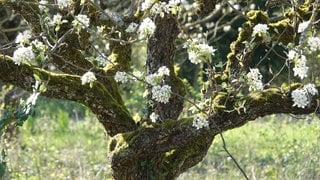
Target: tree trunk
<point>148,155</point>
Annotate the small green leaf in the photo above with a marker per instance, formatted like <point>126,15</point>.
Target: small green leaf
<point>36,76</point>
<point>42,88</point>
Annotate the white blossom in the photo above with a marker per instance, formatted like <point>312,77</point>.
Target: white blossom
<point>43,7</point>
<point>102,60</point>
<point>23,55</point>
<point>193,57</point>
<point>173,6</point>
<point>57,21</point>
<point>154,117</point>
<point>174,2</point>
<point>23,38</point>
<point>121,77</point>
<point>226,28</point>
<point>299,98</point>
<point>302,97</point>
<point>146,5</point>
<point>160,7</point>
<point>146,28</point>
<point>161,93</point>
<point>163,70</point>
<point>31,101</point>
<point>300,67</point>
<point>200,121</point>
<point>311,89</point>
<point>39,45</point>
<point>292,54</point>
<point>81,21</point>
<point>254,78</point>
<point>260,30</point>
<point>300,71</point>
<point>199,52</point>
<point>64,3</point>
<point>132,27</point>
<point>153,79</point>
<point>88,78</point>
<point>314,43</point>
<point>100,29</point>
<point>303,26</point>
<point>137,75</point>
<point>206,50</point>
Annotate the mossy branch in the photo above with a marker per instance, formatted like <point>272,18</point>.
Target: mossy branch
<point>282,31</point>
<point>112,114</point>
<point>29,10</point>
<point>185,146</point>
<point>237,112</point>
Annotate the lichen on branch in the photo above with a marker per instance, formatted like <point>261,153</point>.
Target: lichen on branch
<point>113,115</point>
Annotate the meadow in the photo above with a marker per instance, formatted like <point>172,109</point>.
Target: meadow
<point>58,147</point>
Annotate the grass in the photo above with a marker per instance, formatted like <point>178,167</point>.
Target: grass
<point>44,150</point>
<point>277,147</point>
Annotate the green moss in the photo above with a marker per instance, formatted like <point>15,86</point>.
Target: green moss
<point>258,98</point>
<point>219,101</point>
<point>282,31</point>
<point>169,124</point>
<point>257,16</point>
<point>304,10</point>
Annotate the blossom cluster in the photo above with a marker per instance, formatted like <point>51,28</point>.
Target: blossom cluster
<point>81,21</point>
<point>313,43</point>
<point>23,38</point>
<point>121,77</point>
<point>27,50</point>
<point>254,79</point>
<point>302,97</point>
<point>261,30</point>
<point>154,117</point>
<point>88,78</point>
<point>300,64</point>
<point>161,93</point>
<point>172,7</point>
<point>64,3</point>
<point>146,28</point>
<point>198,53</point>
<point>102,60</point>
<point>157,77</point>
<point>43,6</point>
<point>57,21</point>
<point>200,121</point>
<point>23,54</point>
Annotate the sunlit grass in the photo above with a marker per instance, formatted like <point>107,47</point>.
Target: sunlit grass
<point>277,147</point>
<point>77,151</point>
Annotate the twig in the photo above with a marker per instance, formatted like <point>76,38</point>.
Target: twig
<point>233,159</point>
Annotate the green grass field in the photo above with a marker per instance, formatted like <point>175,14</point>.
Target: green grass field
<point>276,147</point>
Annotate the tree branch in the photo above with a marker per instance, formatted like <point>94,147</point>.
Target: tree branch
<point>180,136</point>
<point>112,114</point>
<point>161,53</point>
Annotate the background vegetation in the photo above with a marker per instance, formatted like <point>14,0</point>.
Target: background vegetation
<point>54,145</point>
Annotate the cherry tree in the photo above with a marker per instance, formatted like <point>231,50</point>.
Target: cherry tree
<point>83,51</point>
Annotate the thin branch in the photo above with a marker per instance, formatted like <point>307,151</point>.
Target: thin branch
<point>233,159</point>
